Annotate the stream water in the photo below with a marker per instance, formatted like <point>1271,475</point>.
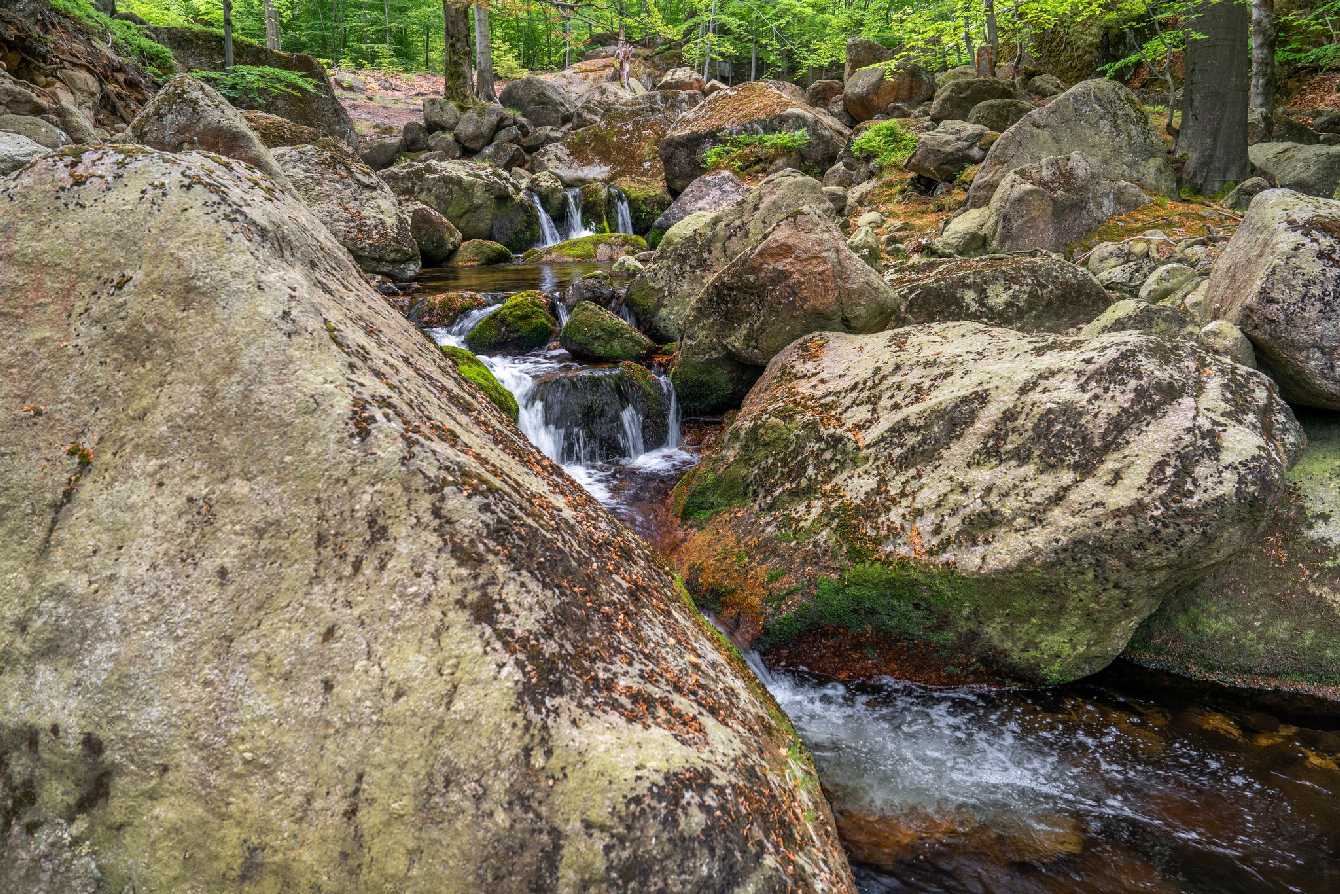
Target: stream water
<point>1085,788</point>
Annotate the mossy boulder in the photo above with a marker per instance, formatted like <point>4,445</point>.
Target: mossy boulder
<point>409,691</point>
<point>1269,617</point>
<point>473,370</point>
<point>523,323</point>
<point>598,247</point>
<point>593,333</point>
<point>959,496</point>
<point>481,253</point>
<point>587,408</point>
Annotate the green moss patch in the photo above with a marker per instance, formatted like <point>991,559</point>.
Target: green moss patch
<point>523,323</point>
<point>594,333</point>
<point>596,247</point>
<point>481,253</point>
<point>479,375</point>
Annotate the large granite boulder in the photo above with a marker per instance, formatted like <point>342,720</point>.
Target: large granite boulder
<point>861,52</point>
<point>755,107</point>
<point>712,192</point>
<point>189,114</point>
<point>436,236</point>
<point>1056,202</point>
<point>999,114</point>
<point>314,105</point>
<point>480,200</point>
<point>945,151</point>
<point>35,129</point>
<point>594,333</point>
<point>1314,170</point>
<point>355,204</point>
<point>978,502</point>
<point>286,604</point>
<point>1099,118</point>
<point>870,91</point>
<point>957,99</point>
<point>801,277</point>
<point>477,126</point>
<point>275,131</point>
<point>1278,280</point>
<point>1269,617</point>
<point>1029,293</point>
<point>701,244</point>
<point>541,102</point>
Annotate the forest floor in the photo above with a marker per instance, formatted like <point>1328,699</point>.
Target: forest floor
<point>383,101</point>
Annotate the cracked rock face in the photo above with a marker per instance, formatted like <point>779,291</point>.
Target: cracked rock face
<point>285,603</point>
<point>1279,282</point>
<point>1011,504</point>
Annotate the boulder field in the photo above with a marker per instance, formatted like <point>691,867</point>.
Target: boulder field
<point>289,604</point>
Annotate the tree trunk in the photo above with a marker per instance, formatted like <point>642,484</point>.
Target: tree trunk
<point>271,25</point>
<point>1213,137</point>
<point>484,85</point>
<point>1264,30</point>
<point>456,52</point>
<point>967,40</point>
<point>227,34</point>
<point>987,60</point>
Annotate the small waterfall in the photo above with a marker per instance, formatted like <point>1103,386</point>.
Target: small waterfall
<point>563,312</point>
<point>674,435</point>
<point>623,215</point>
<point>627,315</point>
<point>548,232</point>
<point>456,332</point>
<point>574,226</point>
<point>631,420</point>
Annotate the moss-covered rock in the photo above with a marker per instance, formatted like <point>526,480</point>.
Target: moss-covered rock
<point>964,496</point>
<point>1268,617</point>
<point>409,691</point>
<point>596,247</point>
<point>594,333</point>
<point>523,323</point>
<point>476,373</point>
<point>481,253</point>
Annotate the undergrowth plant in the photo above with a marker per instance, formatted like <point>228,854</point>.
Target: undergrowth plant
<point>254,82</point>
<point>127,38</point>
<point>888,144</point>
<point>744,152</point>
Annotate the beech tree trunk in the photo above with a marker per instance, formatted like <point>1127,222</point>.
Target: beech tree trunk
<point>484,84</point>
<point>456,52</point>
<point>271,26</point>
<point>227,34</point>
<point>986,61</point>
<point>1213,138</point>
<point>1264,30</point>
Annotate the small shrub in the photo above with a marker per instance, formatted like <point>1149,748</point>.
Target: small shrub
<point>250,83</point>
<point>887,143</point>
<point>746,151</point>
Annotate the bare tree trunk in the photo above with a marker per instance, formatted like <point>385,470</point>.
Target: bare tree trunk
<point>707,39</point>
<point>227,34</point>
<point>1213,137</point>
<point>456,52</point>
<point>484,85</point>
<point>386,21</point>
<point>967,39</point>
<point>986,61</point>
<point>271,25</point>
<point>1264,30</point>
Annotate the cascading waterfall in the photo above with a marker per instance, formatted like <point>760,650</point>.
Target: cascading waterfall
<point>548,232</point>
<point>623,215</point>
<point>573,225</point>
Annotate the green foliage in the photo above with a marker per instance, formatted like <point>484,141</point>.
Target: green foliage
<point>127,38</point>
<point>887,143</point>
<point>475,372</point>
<point>1310,36</point>
<point>254,82</point>
<point>744,152</point>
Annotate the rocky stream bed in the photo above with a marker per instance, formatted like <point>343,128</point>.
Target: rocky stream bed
<point>1124,782</point>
